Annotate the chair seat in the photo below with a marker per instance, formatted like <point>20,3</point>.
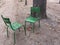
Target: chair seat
<point>15,25</point>
<point>31,19</point>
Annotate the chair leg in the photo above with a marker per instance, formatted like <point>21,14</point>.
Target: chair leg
<point>25,27</point>
<point>30,23</point>
<point>33,26</point>
<point>14,39</point>
<point>19,29</point>
<point>7,32</point>
<point>39,23</point>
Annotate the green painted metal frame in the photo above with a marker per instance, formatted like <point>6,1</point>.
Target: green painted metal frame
<point>37,10</point>
<point>7,21</point>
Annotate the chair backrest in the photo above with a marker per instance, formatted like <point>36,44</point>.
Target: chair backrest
<point>6,21</point>
<point>35,11</point>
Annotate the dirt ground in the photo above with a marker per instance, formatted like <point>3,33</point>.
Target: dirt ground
<point>47,34</point>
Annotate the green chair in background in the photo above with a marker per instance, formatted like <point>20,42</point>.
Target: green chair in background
<point>34,17</point>
<point>14,26</point>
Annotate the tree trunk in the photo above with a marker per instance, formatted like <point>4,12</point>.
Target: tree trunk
<point>42,5</point>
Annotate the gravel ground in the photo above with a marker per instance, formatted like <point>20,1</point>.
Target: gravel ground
<point>47,34</point>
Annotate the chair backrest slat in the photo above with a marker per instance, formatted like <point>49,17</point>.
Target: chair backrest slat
<point>7,21</point>
<point>35,11</point>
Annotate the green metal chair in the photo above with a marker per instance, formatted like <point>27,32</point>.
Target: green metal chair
<point>34,17</point>
<point>14,26</point>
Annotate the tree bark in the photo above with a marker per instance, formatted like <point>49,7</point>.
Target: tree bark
<point>42,5</point>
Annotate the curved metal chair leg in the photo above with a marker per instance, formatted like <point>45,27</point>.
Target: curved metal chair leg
<point>39,23</point>
<point>7,32</point>
<point>33,26</point>
<point>19,29</point>
<point>25,27</point>
<point>14,39</point>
